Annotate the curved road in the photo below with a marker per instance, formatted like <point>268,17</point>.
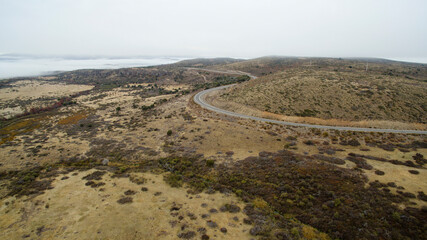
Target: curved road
<point>199,98</point>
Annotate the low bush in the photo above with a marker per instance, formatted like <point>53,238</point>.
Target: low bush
<point>210,163</point>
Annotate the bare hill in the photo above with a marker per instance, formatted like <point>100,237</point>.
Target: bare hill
<point>387,91</point>
<point>204,62</point>
<point>272,64</point>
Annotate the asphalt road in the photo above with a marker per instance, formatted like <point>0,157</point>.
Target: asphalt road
<point>199,98</point>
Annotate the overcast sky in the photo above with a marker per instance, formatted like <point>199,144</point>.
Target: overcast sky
<point>212,28</point>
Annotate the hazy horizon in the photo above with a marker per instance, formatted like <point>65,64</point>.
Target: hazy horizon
<point>12,65</point>
<point>240,29</point>
<point>45,36</point>
<point>88,57</point>
<point>25,66</point>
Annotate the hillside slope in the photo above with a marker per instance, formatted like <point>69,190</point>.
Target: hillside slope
<point>349,95</point>
<point>273,64</point>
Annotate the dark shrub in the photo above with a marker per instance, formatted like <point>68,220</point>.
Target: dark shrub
<point>210,163</point>
<point>353,142</point>
<point>130,192</point>
<point>125,200</point>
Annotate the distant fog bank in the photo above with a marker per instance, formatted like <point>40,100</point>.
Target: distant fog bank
<point>24,66</point>
<point>411,59</point>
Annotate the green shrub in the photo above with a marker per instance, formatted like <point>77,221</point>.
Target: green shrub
<point>144,108</point>
<point>174,180</point>
<point>295,231</point>
<point>210,163</point>
<point>396,216</point>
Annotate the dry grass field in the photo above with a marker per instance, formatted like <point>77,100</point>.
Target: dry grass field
<point>22,95</point>
<point>136,158</point>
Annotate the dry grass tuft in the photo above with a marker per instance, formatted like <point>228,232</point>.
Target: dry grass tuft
<point>311,233</point>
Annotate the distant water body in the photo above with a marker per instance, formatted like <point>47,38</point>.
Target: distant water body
<point>19,66</point>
